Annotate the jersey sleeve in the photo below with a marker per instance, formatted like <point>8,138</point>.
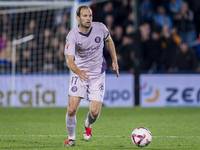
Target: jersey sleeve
<point>70,45</point>
<point>105,32</point>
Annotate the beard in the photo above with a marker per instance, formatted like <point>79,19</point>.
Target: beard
<point>85,26</point>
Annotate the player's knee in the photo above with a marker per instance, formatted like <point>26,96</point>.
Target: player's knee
<point>71,112</point>
<point>94,113</point>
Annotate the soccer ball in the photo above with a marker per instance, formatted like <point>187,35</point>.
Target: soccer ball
<point>141,136</point>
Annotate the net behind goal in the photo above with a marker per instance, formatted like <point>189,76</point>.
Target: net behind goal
<point>32,35</point>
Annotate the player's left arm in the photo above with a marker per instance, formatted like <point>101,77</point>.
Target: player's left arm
<point>111,48</point>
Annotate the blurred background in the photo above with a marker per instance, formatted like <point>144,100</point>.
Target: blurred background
<point>157,45</point>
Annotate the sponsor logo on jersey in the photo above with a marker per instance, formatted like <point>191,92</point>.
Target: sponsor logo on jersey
<point>80,44</point>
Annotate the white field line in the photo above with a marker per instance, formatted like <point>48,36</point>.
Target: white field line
<point>173,137</point>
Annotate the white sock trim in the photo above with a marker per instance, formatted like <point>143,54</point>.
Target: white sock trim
<point>86,122</point>
<point>71,137</point>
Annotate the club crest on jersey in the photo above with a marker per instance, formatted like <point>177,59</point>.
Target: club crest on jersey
<point>101,86</point>
<point>97,39</point>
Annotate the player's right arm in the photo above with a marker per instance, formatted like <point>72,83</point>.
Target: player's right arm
<point>72,66</point>
<point>70,54</point>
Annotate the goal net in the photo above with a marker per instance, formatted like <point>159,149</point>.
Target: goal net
<point>32,35</point>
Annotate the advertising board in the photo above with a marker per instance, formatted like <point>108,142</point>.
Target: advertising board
<point>177,90</point>
<point>52,90</point>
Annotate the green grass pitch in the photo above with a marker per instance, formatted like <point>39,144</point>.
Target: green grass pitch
<point>44,128</point>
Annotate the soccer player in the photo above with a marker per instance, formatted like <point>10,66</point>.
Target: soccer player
<point>84,57</point>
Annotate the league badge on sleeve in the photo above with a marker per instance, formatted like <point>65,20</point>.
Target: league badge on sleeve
<point>67,46</point>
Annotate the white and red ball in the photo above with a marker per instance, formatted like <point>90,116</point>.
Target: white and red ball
<point>141,136</point>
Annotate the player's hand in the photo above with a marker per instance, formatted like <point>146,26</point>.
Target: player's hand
<point>82,75</point>
<point>116,68</point>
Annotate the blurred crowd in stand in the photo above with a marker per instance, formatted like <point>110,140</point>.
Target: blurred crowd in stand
<point>43,53</point>
<point>165,41</point>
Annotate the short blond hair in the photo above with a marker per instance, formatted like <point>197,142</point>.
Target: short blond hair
<point>78,11</point>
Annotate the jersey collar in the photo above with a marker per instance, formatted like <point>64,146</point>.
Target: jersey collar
<point>83,33</point>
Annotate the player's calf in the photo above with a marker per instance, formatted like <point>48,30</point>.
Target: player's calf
<point>87,134</point>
